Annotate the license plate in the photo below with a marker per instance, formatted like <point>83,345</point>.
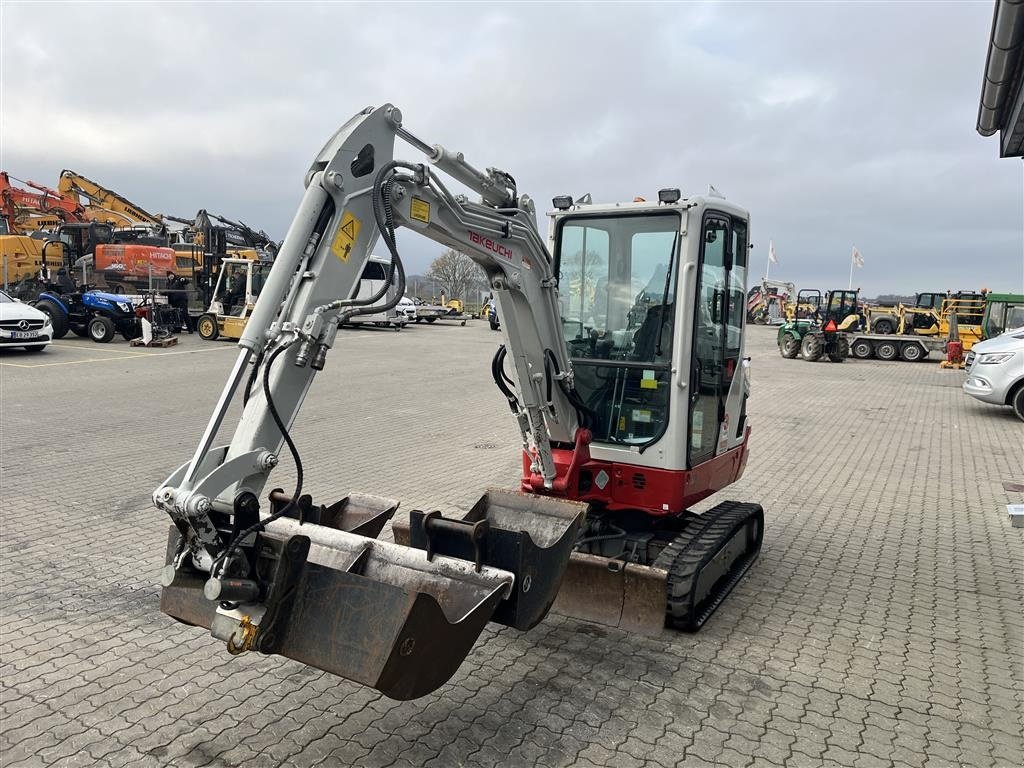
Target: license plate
<point>24,334</point>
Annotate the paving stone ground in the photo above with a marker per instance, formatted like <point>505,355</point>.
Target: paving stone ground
<point>882,625</point>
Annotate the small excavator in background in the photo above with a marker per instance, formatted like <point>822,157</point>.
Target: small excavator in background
<point>622,366</point>
<point>768,302</point>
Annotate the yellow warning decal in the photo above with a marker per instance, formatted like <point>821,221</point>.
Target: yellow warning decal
<point>420,210</point>
<point>345,237</point>
<point>648,381</point>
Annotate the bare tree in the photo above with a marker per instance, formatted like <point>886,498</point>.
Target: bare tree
<point>456,272</point>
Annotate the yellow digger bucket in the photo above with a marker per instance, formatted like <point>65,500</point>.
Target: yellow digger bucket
<point>392,617</point>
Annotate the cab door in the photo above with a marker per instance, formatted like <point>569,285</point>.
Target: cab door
<point>717,341</point>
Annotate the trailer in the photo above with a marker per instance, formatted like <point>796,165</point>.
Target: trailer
<point>887,346</point>
<point>431,313</point>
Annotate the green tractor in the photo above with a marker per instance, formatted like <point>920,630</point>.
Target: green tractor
<point>818,331</point>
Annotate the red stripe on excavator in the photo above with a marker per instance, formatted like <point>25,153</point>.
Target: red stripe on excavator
<point>630,486</point>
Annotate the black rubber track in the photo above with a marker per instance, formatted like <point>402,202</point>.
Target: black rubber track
<point>691,550</point>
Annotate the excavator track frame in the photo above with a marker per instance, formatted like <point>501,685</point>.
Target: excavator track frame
<point>703,564</point>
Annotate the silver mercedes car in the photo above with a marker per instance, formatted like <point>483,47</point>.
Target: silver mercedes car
<point>995,371</point>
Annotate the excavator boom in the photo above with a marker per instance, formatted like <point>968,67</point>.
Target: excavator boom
<point>313,583</point>
<point>103,204</point>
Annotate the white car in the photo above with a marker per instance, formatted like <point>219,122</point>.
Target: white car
<point>406,307</point>
<point>23,326</point>
<point>995,371</point>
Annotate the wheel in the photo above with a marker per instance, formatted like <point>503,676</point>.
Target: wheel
<point>207,328</point>
<point>789,347</point>
<point>912,352</point>
<point>885,326</point>
<point>493,324</point>
<point>840,350</point>
<point>811,347</point>
<point>760,319</point>
<point>463,323</point>
<point>80,330</point>
<point>862,349</point>
<point>35,349</point>
<point>431,319</point>
<point>58,319</point>
<point>131,331</point>
<point>101,329</point>
<point>887,350</point>
<point>1017,401</point>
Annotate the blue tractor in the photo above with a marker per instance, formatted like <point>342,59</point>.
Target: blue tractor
<point>94,314</point>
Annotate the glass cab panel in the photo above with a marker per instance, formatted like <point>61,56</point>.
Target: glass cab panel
<point>617,292</point>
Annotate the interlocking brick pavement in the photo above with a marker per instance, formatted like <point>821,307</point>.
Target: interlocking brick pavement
<point>882,625</point>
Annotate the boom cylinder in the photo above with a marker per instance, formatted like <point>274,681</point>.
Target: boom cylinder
<point>285,264</point>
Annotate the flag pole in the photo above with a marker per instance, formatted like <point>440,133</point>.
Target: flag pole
<point>850,286</point>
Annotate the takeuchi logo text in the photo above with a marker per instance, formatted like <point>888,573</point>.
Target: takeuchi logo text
<point>490,245</point>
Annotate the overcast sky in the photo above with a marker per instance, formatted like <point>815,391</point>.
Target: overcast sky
<point>834,124</point>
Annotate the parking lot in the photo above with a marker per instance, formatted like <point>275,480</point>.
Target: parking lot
<point>882,625</point>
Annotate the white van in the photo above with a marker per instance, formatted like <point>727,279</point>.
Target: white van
<point>995,371</point>
<point>374,274</point>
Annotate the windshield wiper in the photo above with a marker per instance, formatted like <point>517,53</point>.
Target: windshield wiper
<point>664,296</point>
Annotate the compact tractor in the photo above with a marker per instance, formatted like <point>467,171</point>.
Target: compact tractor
<point>820,332</point>
<point>95,314</point>
<point>624,370</point>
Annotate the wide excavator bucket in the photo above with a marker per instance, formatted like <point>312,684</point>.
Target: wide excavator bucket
<point>384,615</point>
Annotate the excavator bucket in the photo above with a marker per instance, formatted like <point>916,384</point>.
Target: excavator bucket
<point>385,615</point>
<point>529,535</point>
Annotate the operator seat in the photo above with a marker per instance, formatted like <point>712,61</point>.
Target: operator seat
<point>65,283</point>
<point>660,317</point>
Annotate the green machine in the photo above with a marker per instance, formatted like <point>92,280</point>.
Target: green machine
<point>818,331</point>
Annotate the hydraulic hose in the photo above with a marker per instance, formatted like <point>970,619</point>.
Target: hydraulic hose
<point>501,379</point>
<point>584,414</point>
<point>272,408</point>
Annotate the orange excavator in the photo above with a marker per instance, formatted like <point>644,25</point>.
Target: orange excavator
<point>29,211</point>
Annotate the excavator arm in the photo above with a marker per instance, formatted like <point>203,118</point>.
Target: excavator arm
<point>104,204</point>
<point>313,583</point>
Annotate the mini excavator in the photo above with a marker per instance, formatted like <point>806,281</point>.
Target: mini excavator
<point>622,365</point>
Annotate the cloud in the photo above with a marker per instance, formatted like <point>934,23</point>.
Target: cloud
<point>832,123</point>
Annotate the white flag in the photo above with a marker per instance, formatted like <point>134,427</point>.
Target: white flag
<point>857,258</point>
<point>771,253</point>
